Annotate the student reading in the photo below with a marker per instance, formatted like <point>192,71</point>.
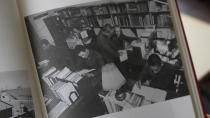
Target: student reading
<point>158,74</point>
<point>91,60</point>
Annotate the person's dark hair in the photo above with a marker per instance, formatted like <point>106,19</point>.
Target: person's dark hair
<point>44,41</point>
<point>106,27</point>
<point>117,26</point>
<point>154,60</point>
<point>79,48</point>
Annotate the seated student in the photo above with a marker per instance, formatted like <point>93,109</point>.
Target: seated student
<point>91,60</point>
<point>159,75</point>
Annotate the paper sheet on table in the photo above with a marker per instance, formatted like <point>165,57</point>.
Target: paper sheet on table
<point>152,94</point>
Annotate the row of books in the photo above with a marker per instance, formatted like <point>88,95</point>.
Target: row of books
<point>122,20</point>
<point>141,20</point>
<point>99,21</point>
<point>98,16</point>
<point>135,8</point>
<point>163,20</point>
<point>131,7</point>
<point>100,10</point>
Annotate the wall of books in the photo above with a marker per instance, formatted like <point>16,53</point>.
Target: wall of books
<point>138,14</point>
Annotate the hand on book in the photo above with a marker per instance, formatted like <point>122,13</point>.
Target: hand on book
<point>139,83</point>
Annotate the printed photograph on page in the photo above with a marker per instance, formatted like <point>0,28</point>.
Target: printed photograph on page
<point>104,57</point>
<point>15,95</point>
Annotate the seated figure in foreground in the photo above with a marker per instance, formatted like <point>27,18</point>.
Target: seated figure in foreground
<point>158,74</point>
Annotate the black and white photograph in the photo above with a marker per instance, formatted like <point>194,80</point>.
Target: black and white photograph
<point>107,56</point>
<point>15,95</point>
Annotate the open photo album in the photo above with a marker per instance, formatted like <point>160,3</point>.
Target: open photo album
<point>104,59</point>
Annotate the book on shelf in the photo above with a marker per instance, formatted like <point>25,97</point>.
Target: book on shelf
<point>141,21</point>
<point>136,7</point>
<point>112,8</point>
<point>136,20</point>
<point>121,8</point>
<point>100,10</point>
<point>122,20</point>
<point>55,54</point>
<point>132,7</point>
<point>73,12</point>
<point>157,7</point>
<point>92,21</point>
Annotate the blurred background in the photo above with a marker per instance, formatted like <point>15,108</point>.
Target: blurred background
<point>196,20</point>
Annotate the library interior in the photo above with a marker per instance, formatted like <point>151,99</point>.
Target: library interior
<point>107,56</point>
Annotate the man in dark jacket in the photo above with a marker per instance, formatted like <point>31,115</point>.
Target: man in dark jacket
<point>105,45</point>
<point>119,38</point>
<point>91,60</point>
<point>159,75</point>
<point>119,43</point>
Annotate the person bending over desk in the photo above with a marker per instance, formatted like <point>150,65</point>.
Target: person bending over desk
<point>122,42</point>
<point>105,45</point>
<point>158,74</point>
<point>91,60</point>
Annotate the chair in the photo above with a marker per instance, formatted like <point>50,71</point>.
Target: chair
<point>180,83</point>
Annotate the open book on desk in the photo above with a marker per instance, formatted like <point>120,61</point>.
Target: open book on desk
<point>52,30</point>
<point>152,94</point>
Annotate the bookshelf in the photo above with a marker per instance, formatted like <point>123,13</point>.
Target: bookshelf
<point>134,14</point>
